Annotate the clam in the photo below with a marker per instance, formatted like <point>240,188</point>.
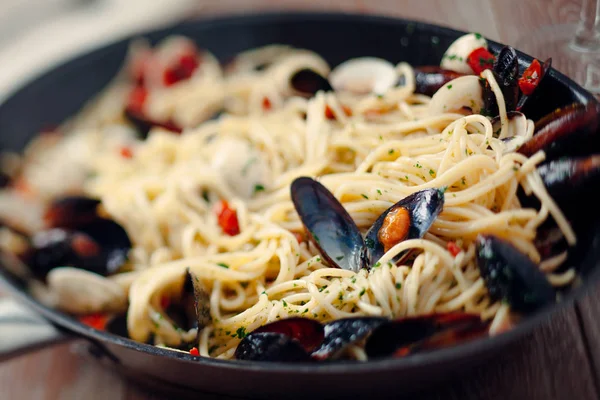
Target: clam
<point>460,93</point>
<point>511,276</point>
<point>410,218</point>
<point>84,292</point>
<point>455,58</point>
<point>364,75</point>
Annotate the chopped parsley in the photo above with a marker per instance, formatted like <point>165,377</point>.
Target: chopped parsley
<point>258,188</point>
<point>223,265</point>
<point>463,181</point>
<point>362,292</point>
<point>284,303</point>
<point>449,87</point>
<point>477,35</point>
<point>431,172</point>
<point>418,165</point>
<point>398,285</point>
<point>240,333</point>
<point>515,169</point>
<point>341,296</point>
<point>322,288</point>
<point>339,258</point>
<point>377,264</point>
<point>391,151</point>
<point>365,196</point>
<point>205,195</point>
<point>379,191</point>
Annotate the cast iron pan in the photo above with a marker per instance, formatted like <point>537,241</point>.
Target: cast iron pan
<point>54,96</point>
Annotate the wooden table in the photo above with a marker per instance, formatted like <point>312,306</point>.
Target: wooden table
<point>560,360</point>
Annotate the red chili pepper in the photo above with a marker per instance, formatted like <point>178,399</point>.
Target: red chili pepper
<point>329,112</point>
<point>138,66</point>
<point>182,70</point>
<point>165,302</point>
<point>299,237</point>
<point>194,351</point>
<point>453,249</point>
<point>531,78</point>
<point>126,152</point>
<point>480,59</point>
<point>96,321</point>
<point>266,104</point>
<point>227,218</point>
<point>136,100</point>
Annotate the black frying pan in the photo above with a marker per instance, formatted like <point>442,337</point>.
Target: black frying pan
<point>59,93</point>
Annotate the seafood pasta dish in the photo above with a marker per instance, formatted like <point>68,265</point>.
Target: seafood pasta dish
<point>276,208</point>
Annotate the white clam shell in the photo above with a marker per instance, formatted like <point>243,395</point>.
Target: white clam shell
<point>82,292</point>
<point>455,58</point>
<point>364,75</point>
<point>460,92</point>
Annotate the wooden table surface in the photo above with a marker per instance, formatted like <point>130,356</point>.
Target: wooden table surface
<point>560,360</point>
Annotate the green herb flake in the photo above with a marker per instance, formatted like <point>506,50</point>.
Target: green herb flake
<point>398,285</point>
<point>365,196</point>
<point>418,165</point>
<point>449,87</point>
<point>205,195</point>
<point>377,264</point>
<point>379,191</point>
<point>516,169</point>
<point>477,35</point>
<point>322,288</point>
<point>212,348</point>
<point>363,291</point>
<point>431,172</point>
<point>241,332</point>
<point>341,296</point>
<point>463,181</point>
<point>339,258</point>
<point>258,188</point>
<point>284,303</point>
<point>223,265</point>
<point>391,151</point>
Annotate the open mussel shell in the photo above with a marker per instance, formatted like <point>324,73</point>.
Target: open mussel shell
<point>429,79</point>
<point>511,276</point>
<point>410,218</point>
<point>307,332</point>
<point>194,288</point>
<point>570,130</point>
<point>545,67</point>
<point>329,226</point>
<point>341,333</point>
<point>308,82</point>
<point>270,346</point>
<point>408,335</point>
<point>364,75</point>
<point>71,211</point>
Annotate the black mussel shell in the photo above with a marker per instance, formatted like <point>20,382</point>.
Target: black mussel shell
<point>428,79</point>
<point>341,333</point>
<point>5,179</point>
<point>567,131</point>
<point>70,212</point>
<point>506,71</point>
<point>143,123</point>
<point>307,82</point>
<point>117,325</point>
<point>511,276</point>
<point>423,208</point>
<point>194,288</point>
<point>113,240</point>
<point>270,346</point>
<point>570,178</point>
<point>329,226</point>
<point>51,249</point>
<point>307,332</point>
<point>408,335</point>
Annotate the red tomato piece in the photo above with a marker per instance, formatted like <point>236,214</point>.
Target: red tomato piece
<point>137,99</point>
<point>194,351</point>
<point>266,104</point>
<point>183,69</point>
<point>531,78</point>
<point>480,59</point>
<point>227,218</point>
<point>125,152</point>
<point>453,249</point>
<point>96,321</point>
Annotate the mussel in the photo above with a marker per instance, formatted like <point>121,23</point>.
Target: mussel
<point>511,276</point>
<point>410,218</point>
<point>570,130</point>
<point>331,229</point>
<point>304,340</point>
<point>308,82</point>
<point>328,225</point>
<point>78,237</point>
<point>429,79</point>
<point>506,71</point>
<point>568,178</point>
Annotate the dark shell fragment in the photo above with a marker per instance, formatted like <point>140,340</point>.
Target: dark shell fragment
<point>428,79</point>
<point>341,333</point>
<point>408,335</point>
<point>308,82</point>
<point>270,346</point>
<point>201,300</point>
<point>307,332</point>
<point>143,123</point>
<point>423,208</point>
<point>511,276</point>
<point>568,178</point>
<point>329,226</point>
<point>570,130</point>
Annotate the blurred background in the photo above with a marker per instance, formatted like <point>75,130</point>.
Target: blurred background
<point>36,34</point>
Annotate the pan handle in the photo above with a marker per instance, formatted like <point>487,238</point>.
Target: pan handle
<point>22,330</point>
